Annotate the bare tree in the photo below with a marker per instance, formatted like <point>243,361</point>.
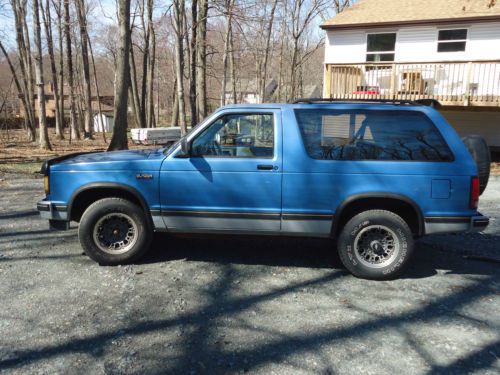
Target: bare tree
<point>134,91</point>
<point>201,59</point>
<point>264,61</point>
<point>192,63</point>
<point>75,131</point>
<point>47,21</point>
<point>151,57</point>
<point>340,5</point>
<point>82,21</point>
<point>122,76</point>
<point>58,7</point>
<point>24,52</point>
<point>42,118</point>
<point>16,80</point>
<point>303,14</point>
<point>99,109</point>
<point>179,9</point>
<point>228,53</point>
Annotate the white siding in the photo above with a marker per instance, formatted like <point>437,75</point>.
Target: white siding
<point>486,124</point>
<point>345,47</point>
<point>416,44</point>
<point>484,41</point>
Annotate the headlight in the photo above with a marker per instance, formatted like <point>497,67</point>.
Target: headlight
<point>46,185</point>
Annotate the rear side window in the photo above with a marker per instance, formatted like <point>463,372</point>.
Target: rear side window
<point>330,134</point>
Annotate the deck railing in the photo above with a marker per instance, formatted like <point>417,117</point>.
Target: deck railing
<point>472,83</point>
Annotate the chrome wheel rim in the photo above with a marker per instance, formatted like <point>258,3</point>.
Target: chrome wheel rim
<point>376,246</point>
<point>115,233</point>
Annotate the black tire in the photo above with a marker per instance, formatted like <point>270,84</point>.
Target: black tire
<point>365,246</point>
<point>478,148</point>
<point>97,230</point>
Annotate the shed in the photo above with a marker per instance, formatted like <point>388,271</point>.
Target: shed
<point>103,122</point>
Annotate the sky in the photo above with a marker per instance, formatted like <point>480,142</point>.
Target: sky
<point>105,10</point>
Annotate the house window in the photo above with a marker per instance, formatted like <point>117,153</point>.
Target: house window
<point>453,40</point>
<point>380,47</point>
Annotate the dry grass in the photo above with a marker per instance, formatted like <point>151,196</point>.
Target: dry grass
<point>19,155</point>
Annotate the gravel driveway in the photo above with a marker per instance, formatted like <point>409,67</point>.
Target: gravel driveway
<point>235,305</point>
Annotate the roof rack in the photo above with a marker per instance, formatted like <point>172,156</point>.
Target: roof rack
<point>425,102</point>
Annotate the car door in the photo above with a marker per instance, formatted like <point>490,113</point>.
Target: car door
<point>231,181</point>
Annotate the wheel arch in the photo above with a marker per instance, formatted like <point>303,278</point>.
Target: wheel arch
<point>400,204</point>
<point>90,193</point>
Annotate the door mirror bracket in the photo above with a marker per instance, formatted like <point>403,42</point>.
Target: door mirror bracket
<point>185,147</point>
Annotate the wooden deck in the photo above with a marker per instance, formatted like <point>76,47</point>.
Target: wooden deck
<point>469,84</point>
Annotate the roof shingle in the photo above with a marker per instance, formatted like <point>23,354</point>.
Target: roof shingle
<point>368,12</point>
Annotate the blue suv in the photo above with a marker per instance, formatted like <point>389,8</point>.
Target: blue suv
<point>370,175</point>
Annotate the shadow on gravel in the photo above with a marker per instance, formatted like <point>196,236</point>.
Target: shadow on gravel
<point>200,348</point>
<point>298,252</point>
<point>25,233</point>
<point>269,251</point>
<point>18,214</point>
<point>201,351</point>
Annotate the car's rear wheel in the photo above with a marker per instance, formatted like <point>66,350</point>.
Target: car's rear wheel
<point>114,231</point>
<point>375,244</point>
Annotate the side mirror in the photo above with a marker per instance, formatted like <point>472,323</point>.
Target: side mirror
<point>185,147</point>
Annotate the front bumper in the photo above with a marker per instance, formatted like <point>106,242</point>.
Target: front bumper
<point>57,214</point>
<point>455,224</point>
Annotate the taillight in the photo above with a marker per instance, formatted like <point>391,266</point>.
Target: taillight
<point>474,192</point>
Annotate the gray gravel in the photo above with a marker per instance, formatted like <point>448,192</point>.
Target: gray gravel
<point>234,305</point>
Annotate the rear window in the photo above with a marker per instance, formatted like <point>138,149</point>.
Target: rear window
<point>330,134</point>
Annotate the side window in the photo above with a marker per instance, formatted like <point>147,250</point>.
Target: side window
<point>453,40</point>
<point>380,47</point>
<point>370,135</point>
<point>237,136</point>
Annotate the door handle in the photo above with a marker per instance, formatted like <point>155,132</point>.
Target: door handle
<point>265,167</point>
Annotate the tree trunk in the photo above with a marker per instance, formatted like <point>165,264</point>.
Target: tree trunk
<point>232,66</point>
<point>29,65</point>
<point>145,65</point>
<point>179,10</point>
<point>225,55</point>
<point>24,64</point>
<point>175,107</point>
<point>99,109</point>
<point>60,28</point>
<point>82,21</point>
<point>192,63</point>
<point>134,91</point>
<point>47,21</point>
<point>201,59</point>
<point>42,118</point>
<point>122,76</point>
<point>75,132</point>
<point>263,76</point>
<point>293,79</point>
<point>150,82</point>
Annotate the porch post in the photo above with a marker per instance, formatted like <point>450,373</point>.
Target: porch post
<point>393,81</point>
<point>327,82</point>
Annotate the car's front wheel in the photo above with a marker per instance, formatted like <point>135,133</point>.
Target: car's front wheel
<point>114,231</point>
<point>375,244</point>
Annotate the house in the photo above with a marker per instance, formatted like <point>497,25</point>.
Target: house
<point>447,50</point>
<point>50,102</point>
